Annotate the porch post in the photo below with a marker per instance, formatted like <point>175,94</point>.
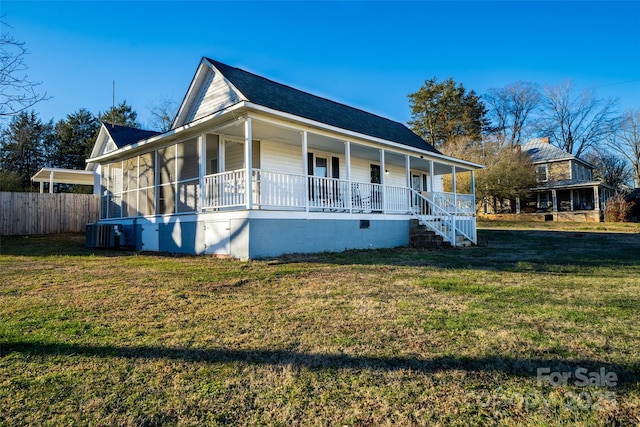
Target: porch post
<point>453,183</point>
<point>431,176</point>
<point>51,182</point>
<point>554,200</point>
<point>407,167</point>
<point>347,157</point>
<point>455,205</point>
<point>596,199</point>
<point>202,140</point>
<point>473,205</point>
<point>571,199</point>
<point>384,187</point>
<point>221,154</point>
<point>248,184</point>
<point>42,186</point>
<point>97,186</point>
<point>473,190</point>
<point>305,170</point>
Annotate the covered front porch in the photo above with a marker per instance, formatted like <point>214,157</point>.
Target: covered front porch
<point>286,168</point>
<point>583,201</point>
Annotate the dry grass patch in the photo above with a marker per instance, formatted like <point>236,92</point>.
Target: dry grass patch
<point>390,337</point>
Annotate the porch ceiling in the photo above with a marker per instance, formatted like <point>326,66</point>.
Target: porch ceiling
<point>268,131</point>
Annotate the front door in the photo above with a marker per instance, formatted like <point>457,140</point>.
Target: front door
<point>415,186</point>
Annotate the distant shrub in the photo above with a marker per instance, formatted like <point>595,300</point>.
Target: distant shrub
<point>618,209</point>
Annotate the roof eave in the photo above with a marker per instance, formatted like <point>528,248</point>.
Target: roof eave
<point>173,132</point>
<point>287,116</point>
<point>346,132</point>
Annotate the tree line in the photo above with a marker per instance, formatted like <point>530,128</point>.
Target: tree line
<point>486,129</point>
<point>28,144</point>
<point>489,130</point>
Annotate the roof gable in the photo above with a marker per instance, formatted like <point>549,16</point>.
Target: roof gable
<point>208,93</point>
<point>217,86</point>
<point>112,137</point>
<point>123,136</point>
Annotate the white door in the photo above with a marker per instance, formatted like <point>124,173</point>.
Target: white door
<point>149,236</point>
<point>217,237</point>
<point>415,186</point>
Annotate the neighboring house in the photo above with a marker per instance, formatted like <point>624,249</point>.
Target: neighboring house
<point>566,189</point>
<point>253,168</point>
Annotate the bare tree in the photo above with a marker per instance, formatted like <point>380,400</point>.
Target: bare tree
<point>17,92</point>
<point>625,140</point>
<point>610,169</point>
<point>163,113</point>
<point>510,109</point>
<point>574,121</point>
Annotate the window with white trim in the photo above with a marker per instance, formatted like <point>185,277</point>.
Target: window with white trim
<point>542,173</point>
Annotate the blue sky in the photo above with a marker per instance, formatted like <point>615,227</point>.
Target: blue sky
<point>370,55</point>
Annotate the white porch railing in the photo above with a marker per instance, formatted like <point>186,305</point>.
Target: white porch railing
<point>447,214</point>
<point>459,203</point>
<point>226,189</point>
<point>440,214</point>
<point>278,190</point>
<point>328,193</point>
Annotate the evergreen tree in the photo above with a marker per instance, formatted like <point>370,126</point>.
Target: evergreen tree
<point>75,137</point>
<point>122,114</point>
<point>442,111</point>
<point>24,145</point>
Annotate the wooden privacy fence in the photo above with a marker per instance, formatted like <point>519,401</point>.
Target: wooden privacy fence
<point>44,213</point>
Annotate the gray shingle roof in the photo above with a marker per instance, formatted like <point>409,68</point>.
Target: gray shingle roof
<point>123,136</point>
<point>541,151</point>
<point>277,96</point>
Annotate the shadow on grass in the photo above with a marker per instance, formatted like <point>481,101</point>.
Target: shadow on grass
<point>66,244</point>
<point>509,250</point>
<point>627,377</point>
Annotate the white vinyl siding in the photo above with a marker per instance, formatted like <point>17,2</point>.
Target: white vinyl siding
<point>213,95</point>
<point>361,169</point>
<point>284,158</point>
<point>233,155</point>
<point>397,176</point>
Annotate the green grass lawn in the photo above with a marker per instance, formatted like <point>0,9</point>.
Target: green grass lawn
<point>387,337</point>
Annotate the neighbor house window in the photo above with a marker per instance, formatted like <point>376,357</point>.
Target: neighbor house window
<point>543,202</point>
<point>541,173</point>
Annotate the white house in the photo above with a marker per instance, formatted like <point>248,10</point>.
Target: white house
<point>253,168</point>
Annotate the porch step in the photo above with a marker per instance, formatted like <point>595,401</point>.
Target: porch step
<point>421,237</point>
<point>462,242</point>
